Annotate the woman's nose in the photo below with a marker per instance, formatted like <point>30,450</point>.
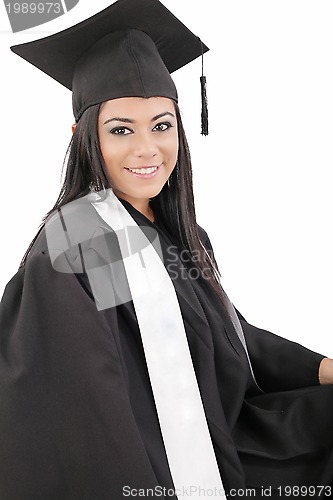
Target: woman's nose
<point>145,145</point>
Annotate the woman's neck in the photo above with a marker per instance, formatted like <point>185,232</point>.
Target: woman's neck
<point>142,206</point>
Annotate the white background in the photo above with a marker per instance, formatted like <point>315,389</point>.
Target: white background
<point>262,177</point>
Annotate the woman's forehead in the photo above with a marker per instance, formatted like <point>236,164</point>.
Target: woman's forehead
<point>138,106</point>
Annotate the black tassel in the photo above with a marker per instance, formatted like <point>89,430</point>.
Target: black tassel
<point>204,106</point>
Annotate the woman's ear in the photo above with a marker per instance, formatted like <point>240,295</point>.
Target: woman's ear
<point>73,128</point>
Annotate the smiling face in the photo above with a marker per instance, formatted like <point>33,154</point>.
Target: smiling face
<point>139,143</point>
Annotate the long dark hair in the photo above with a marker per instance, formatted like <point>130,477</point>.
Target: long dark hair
<point>174,205</point>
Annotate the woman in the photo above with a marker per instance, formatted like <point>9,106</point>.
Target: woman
<point>82,369</point>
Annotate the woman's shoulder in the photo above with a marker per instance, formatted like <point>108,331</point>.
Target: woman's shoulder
<point>67,227</point>
<point>57,250</point>
<point>66,235</point>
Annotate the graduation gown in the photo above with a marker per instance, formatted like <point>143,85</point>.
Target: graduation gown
<point>77,415</point>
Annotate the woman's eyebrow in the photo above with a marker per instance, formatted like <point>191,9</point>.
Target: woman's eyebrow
<point>166,113</point>
<point>118,119</point>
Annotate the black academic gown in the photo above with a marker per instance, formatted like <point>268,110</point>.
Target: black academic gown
<point>77,416</point>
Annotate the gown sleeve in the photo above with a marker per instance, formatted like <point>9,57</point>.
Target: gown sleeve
<point>67,429</point>
<point>278,364</point>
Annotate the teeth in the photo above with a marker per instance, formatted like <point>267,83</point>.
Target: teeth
<point>148,170</point>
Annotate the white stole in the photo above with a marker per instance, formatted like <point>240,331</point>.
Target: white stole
<point>177,397</point>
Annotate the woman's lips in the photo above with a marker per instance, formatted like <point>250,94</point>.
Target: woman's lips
<point>143,172</point>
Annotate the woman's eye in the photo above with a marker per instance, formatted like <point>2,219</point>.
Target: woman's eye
<point>120,131</point>
<point>160,127</point>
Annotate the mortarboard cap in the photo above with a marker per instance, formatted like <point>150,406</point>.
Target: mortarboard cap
<point>127,50</point>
